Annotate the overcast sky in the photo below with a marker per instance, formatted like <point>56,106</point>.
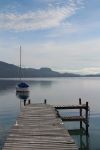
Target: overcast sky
<point>61,34</point>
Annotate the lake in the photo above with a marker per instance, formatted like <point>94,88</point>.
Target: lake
<point>57,91</point>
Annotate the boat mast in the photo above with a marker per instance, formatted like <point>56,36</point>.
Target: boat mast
<point>20,63</point>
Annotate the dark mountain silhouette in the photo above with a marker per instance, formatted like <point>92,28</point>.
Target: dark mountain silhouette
<point>12,71</point>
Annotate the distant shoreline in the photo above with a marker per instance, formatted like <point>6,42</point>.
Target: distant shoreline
<point>12,71</point>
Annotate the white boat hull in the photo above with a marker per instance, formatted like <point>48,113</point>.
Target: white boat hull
<point>18,89</point>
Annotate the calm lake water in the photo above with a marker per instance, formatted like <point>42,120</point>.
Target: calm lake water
<point>57,91</point>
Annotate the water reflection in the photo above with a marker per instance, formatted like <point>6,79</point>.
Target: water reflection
<point>23,95</point>
<point>7,85</point>
<point>81,138</point>
<point>46,83</point>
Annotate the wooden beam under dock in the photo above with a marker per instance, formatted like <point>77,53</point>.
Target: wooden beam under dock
<point>82,106</point>
<point>39,128</point>
<point>80,117</point>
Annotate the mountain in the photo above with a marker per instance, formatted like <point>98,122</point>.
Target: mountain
<point>12,71</point>
<point>8,70</point>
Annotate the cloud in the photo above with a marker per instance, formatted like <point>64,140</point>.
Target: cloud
<point>77,57</point>
<point>90,70</point>
<point>83,71</point>
<point>41,19</point>
<point>62,56</point>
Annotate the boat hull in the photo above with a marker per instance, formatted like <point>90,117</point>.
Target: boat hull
<point>22,87</point>
<point>18,89</point>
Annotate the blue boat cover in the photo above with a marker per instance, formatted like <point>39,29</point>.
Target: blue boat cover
<point>23,85</point>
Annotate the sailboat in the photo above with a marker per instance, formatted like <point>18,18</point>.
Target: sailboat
<point>21,86</point>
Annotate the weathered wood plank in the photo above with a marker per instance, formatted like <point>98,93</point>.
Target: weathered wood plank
<point>38,127</point>
<point>73,118</point>
<point>83,106</point>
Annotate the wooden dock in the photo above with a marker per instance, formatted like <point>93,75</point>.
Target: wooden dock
<point>81,117</point>
<point>38,127</point>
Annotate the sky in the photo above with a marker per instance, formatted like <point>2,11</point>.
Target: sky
<point>60,34</point>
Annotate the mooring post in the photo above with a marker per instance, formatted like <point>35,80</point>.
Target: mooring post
<point>24,102</point>
<point>80,102</point>
<point>45,101</point>
<point>29,102</point>
<point>87,125</point>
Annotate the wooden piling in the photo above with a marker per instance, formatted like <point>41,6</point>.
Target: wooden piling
<point>24,102</point>
<point>29,102</point>
<point>45,101</point>
<point>80,103</point>
<point>87,125</point>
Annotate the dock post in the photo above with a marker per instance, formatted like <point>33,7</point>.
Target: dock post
<point>24,102</point>
<point>45,101</point>
<point>80,102</point>
<point>29,102</point>
<point>87,125</point>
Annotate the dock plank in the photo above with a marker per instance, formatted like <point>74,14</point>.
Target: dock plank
<point>38,127</point>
